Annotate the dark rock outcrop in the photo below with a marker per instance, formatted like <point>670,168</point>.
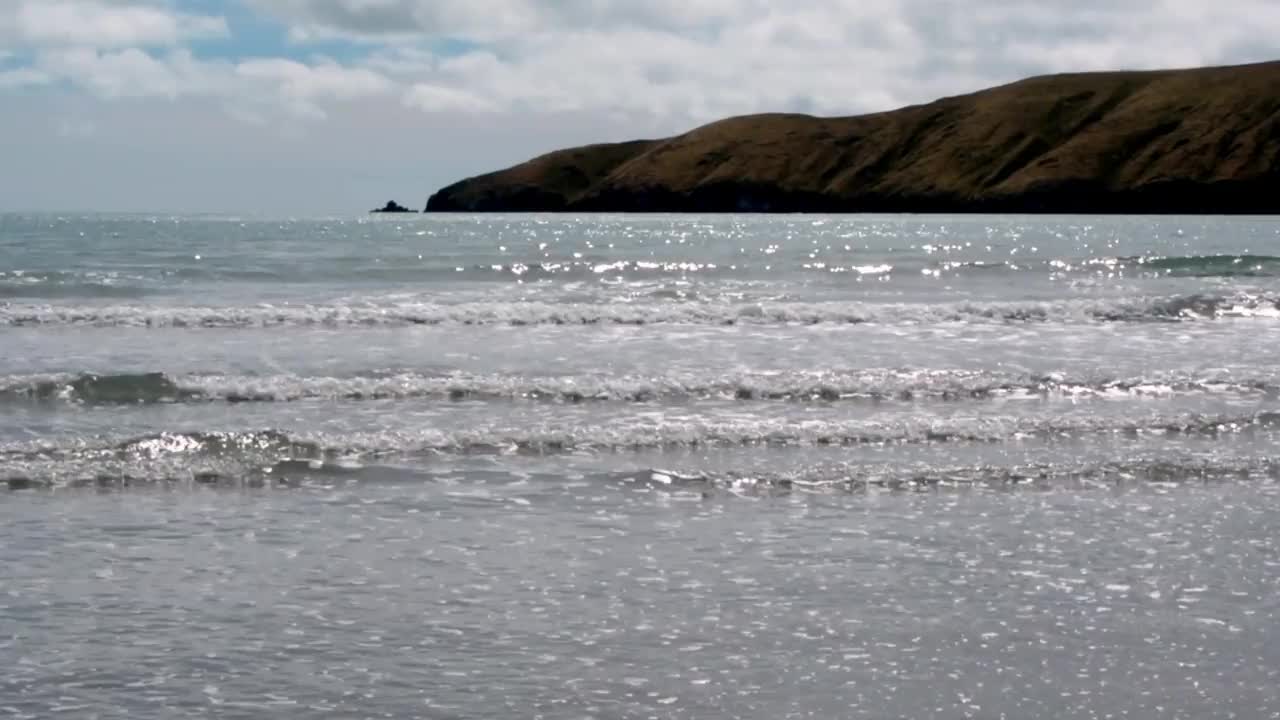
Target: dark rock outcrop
<point>393,207</point>
<point>1204,140</point>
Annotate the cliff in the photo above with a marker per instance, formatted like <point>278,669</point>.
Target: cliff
<point>1199,140</point>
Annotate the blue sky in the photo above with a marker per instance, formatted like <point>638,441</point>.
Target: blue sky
<point>332,106</point>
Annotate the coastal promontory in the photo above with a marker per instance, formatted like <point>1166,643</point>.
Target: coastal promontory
<point>1204,140</point>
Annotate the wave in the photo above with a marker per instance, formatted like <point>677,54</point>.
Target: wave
<point>71,284</point>
<point>1192,266</point>
<point>199,457</point>
<point>89,388</point>
<point>1212,265</point>
<point>856,477</point>
<point>72,290</point>
<point>878,385</point>
<point>98,283</point>
<point>1189,266</point>
<point>1160,309</point>
<point>1223,265</point>
<point>823,478</point>
<point>632,433</point>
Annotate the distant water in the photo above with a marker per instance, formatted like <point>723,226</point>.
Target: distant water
<point>639,466</point>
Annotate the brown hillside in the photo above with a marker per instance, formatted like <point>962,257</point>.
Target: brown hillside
<point>1202,140</point>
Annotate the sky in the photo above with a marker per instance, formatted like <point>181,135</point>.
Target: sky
<point>335,106</point>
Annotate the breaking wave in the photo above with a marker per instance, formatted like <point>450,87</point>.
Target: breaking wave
<point>268,458</point>
<point>1159,309</point>
<point>193,453</point>
<point>796,386</point>
<point>1214,265</point>
<point>72,284</point>
<point>854,477</point>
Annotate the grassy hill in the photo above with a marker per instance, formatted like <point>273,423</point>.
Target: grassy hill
<point>1199,140</point>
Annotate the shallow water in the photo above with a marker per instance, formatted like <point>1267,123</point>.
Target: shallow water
<point>639,466</point>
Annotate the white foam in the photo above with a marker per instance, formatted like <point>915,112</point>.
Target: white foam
<point>378,313</point>
<point>825,386</point>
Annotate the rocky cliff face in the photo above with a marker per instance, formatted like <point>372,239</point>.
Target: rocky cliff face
<point>1200,140</point>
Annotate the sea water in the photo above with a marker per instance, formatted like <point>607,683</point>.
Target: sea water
<point>615,466</point>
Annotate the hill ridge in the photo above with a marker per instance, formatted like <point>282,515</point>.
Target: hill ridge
<point>1200,140</point>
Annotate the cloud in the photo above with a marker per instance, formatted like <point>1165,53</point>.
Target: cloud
<point>97,24</point>
<point>303,87</point>
<point>433,98</point>
<point>390,18</point>
<point>650,72</point>
<point>129,73</point>
<point>674,60</point>
<point>480,83</point>
<point>254,89</point>
<point>132,49</point>
<point>22,77</point>
<point>75,129</point>
<point>488,19</point>
<point>702,59</point>
<point>1100,35</point>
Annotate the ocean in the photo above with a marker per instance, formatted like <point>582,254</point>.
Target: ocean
<point>639,466</point>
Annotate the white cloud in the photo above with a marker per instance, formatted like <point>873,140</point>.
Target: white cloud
<point>1116,35</point>
<point>391,18</point>
<point>702,59</point>
<point>117,49</point>
<point>678,60</point>
<point>497,81</point>
<point>76,129</point>
<point>502,18</point>
<point>129,73</point>
<point>251,89</point>
<point>326,80</point>
<point>433,98</point>
<point>800,60</point>
<point>97,24</point>
<point>303,86</point>
<point>22,77</point>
